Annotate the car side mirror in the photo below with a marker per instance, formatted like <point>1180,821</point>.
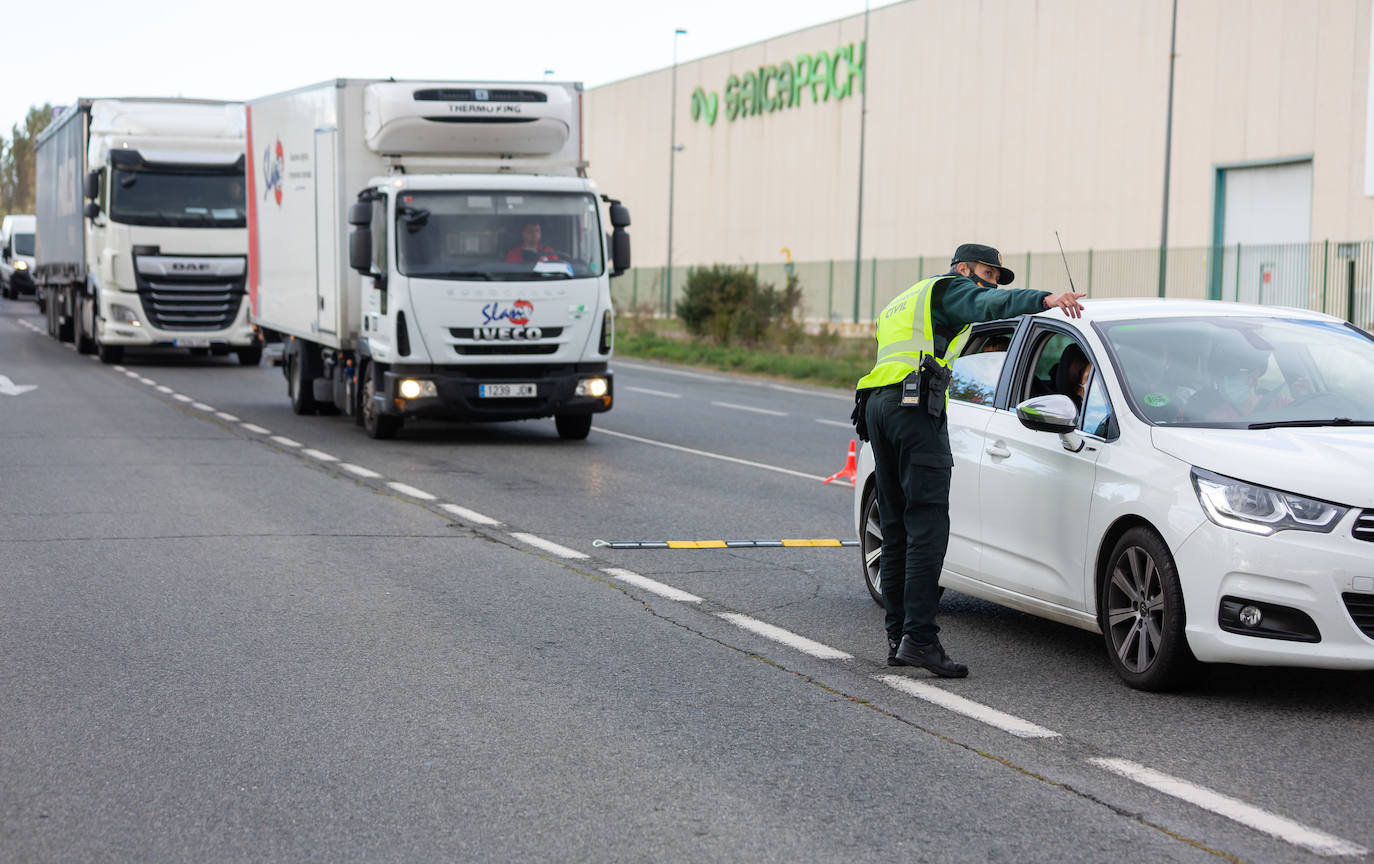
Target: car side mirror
<point>1052,413</point>
<point>359,246</point>
<point>93,184</point>
<point>620,251</point>
<point>92,210</point>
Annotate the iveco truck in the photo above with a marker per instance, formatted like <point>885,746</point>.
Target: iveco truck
<point>142,240</point>
<point>433,249</point>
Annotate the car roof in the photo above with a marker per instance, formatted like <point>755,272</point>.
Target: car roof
<point>1130,308</point>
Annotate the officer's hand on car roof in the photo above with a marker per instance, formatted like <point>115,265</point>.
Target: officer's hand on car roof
<point>1068,301</point>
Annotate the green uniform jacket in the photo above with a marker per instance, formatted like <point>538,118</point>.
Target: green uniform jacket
<point>961,301</point>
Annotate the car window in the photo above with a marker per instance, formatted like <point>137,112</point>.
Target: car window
<point>1098,418</point>
<point>1061,365</point>
<point>976,370</point>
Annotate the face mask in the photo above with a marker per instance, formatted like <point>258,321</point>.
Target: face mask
<point>1235,389</point>
<point>978,279</point>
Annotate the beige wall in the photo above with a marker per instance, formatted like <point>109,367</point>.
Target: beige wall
<point>999,121</point>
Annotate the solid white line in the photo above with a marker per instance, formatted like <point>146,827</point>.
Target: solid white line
<point>470,515</point>
<point>547,546</point>
<point>650,585</point>
<point>412,491</point>
<point>750,408</point>
<point>163,388</point>
<point>959,705</point>
<point>682,449</point>
<point>786,637</point>
<point>258,429</point>
<point>835,423</point>
<point>201,406</point>
<point>359,470</point>
<point>1246,814</point>
<point>285,442</point>
<point>655,392</point>
<point>224,415</point>
<point>320,455</point>
<point>181,397</point>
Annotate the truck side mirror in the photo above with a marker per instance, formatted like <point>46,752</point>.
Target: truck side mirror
<point>360,213</point>
<point>620,251</point>
<point>620,216</point>
<point>93,184</point>
<point>359,245</point>
<point>92,210</point>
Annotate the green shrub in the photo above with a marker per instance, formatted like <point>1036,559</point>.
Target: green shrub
<point>729,306</point>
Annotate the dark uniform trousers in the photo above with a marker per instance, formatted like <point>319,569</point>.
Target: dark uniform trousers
<point>912,468</point>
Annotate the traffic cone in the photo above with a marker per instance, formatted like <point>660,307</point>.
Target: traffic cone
<point>850,469</point>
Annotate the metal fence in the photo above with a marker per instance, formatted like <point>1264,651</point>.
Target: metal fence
<point>1332,277</point>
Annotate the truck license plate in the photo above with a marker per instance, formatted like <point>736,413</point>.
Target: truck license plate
<point>506,391</point>
<point>191,343</point>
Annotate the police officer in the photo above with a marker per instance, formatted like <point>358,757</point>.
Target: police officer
<point>902,402</point>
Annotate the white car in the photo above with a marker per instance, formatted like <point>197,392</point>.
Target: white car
<point>1211,500</point>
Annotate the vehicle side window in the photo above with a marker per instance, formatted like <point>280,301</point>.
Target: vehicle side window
<point>1098,418</point>
<point>1061,365</point>
<point>977,369</point>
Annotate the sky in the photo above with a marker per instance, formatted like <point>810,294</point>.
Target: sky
<point>253,48</point>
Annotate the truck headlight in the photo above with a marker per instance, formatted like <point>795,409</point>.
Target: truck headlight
<point>21,265</point>
<point>594,387</point>
<point>124,315</point>
<point>1256,509</point>
<point>411,388</point>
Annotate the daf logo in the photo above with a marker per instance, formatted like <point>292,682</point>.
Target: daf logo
<point>187,266</point>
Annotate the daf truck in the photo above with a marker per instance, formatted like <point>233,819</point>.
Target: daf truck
<point>433,249</point>
<point>16,256</point>
<point>142,238</point>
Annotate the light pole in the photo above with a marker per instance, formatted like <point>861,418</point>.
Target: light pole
<point>1168,152</point>
<point>859,224</point>
<point>672,165</point>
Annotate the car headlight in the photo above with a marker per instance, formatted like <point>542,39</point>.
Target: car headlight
<point>21,265</point>
<point>124,315</point>
<point>411,388</point>
<point>1260,510</point>
<point>595,387</point>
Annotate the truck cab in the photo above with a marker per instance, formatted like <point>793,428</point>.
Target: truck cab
<point>16,256</point>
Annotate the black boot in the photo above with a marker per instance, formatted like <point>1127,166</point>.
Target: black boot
<point>928,655</point>
<point>892,653</point>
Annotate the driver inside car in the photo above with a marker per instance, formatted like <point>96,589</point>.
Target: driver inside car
<point>531,249</point>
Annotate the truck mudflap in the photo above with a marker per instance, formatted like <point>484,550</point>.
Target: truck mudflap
<point>468,394</point>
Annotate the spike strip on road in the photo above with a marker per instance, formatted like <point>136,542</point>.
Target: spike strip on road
<point>724,544</point>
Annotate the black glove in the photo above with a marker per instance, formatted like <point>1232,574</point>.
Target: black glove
<point>859,417</point>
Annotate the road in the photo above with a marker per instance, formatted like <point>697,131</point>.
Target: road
<point>231,633</point>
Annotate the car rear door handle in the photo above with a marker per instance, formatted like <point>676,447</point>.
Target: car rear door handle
<point>999,451</point>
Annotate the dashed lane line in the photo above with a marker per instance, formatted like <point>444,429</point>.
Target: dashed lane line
<point>835,423</point>
<point>1287,830</point>
<point>181,397</point>
<point>470,515</point>
<point>163,388</point>
<point>150,382</point>
<point>359,470</point>
<point>201,406</point>
<point>633,578</point>
<point>255,429</point>
<point>224,415</point>
<point>723,458</point>
<point>547,546</point>
<point>786,637</point>
<point>750,408</point>
<point>285,442</point>
<point>406,489</point>
<point>320,455</point>
<point>967,707</point>
<point>646,391</point>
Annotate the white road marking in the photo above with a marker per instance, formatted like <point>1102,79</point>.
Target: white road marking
<point>359,470</point>
<point>835,423</point>
<point>708,455</point>
<point>412,491</point>
<point>786,637</point>
<point>258,429</point>
<point>470,515</point>
<point>224,415</point>
<point>201,406</point>
<point>721,379</point>
<point>285,442</point>
<point>181,397</point>
<point>959,705</point>
<point>132,374</point>
<point>1246,814</point>
<point>649,392</point>
<point>650,585</point>
<point>150,382</point>
<point>119,368</point>
<point>320,455</point>
<point>163,388</point>
<point>768,411</point>
<point>547,546</point>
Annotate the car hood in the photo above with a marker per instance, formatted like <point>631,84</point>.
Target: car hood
<point>1329,463</point>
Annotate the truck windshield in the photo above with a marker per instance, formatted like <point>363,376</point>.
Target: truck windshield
<point>498,236</point>
<point>183,199</point>
<point>23,244</point>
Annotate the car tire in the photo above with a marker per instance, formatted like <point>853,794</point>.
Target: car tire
<point>375,423</point>
<point>573,427</point>
<point>871,545</point>
<point>85,342</point>
<point>1140,610</point>
<point>300,389</point>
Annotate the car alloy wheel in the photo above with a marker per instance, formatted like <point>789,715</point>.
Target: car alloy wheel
<point>1142,614</point>
<point>871,545</point>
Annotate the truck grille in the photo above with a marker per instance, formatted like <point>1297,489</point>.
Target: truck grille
<point>1361,609</point>
<point>190,293</point>
<point>1364,526</point>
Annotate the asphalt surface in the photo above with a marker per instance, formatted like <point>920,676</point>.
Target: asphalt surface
<point>223,644</point>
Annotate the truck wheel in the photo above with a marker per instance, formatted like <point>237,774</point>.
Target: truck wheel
<point>250,356</point>
<point>111,353</point>
<point>85,343</point>
<point>1140,610</point>
<point>375,423</point>
<point>299,388</point>
<point>573,427</point>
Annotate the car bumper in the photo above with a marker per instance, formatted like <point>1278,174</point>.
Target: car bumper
<point>1297,570</point>
<point>21,282</point>
<point>239,334</point>
<point>458,399</point>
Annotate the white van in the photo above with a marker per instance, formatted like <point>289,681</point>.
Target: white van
<point>16,256</point>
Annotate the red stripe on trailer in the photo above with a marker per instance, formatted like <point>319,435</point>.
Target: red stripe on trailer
<point>251,187</point>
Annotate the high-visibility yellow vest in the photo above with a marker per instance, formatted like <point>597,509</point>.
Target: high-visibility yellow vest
<point>906,335</point>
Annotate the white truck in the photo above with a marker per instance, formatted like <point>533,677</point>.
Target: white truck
<point>433,249</point>
<point>157,253</point>
<point>16,256</point>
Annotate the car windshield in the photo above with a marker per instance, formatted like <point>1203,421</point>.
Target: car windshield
<point>184,199</point>
<point>23,244</point>
<point>498,236</point>
<point>1234,372</point>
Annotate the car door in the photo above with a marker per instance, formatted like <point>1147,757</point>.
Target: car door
<point>972,393</point>
<point>1034,494</point>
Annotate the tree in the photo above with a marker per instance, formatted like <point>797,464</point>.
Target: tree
<point>17,162</point>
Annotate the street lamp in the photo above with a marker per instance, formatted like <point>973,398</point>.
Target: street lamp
<point>672,165</point>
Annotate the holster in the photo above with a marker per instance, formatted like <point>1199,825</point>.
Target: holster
<point>936,379</point>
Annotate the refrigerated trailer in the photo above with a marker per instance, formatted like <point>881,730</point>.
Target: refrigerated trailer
<point>433,249</point>
<point>141,227</point>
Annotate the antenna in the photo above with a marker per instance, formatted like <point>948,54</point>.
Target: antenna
<point>1066,261</point>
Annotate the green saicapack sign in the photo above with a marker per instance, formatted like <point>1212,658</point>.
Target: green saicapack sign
<point>823,75</point>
